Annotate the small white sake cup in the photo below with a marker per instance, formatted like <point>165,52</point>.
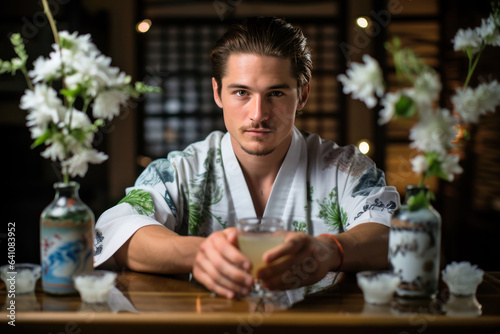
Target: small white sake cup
<point>378,286</point>
<point>21,277</point>
<point>462,278</point>
<point>94,286</point>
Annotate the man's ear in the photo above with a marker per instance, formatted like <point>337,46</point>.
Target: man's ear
<point>215,88</point>
<point>304,95</point>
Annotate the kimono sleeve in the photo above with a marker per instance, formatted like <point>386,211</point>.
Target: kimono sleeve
<point>147,203</point>
<point>364,194</point>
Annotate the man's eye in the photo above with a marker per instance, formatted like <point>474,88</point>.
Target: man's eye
<point>241,93</point>
<point>276,94</point>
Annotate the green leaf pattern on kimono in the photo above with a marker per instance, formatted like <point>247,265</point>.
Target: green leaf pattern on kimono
<point>206,190</point>
<point>141,201</point>
<point>160,171</point>
<point>333,214</point>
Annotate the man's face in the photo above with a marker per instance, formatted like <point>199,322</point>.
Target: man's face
<point>260,98</point>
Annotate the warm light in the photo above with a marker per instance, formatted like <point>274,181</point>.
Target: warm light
<point>364,147</point>
<point>362,22</point>
<point>143,26</point>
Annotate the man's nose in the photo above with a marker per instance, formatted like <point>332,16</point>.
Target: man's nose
<point>259,109</point>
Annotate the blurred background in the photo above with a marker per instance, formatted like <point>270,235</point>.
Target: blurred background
<point>167,42</point>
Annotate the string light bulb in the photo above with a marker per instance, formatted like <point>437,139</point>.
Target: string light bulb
<point>364,146</point>
<point>143,26</point>
<point>362,22</point>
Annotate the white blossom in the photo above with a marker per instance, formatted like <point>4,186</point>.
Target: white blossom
<point>78,163</point>
<point>389,107</point>
<point>450,166</point>
<point>471,103</point>
<point>434,132</point>
<point>54,151</point>
<point>364,81</point>
<point>43,107</point>
<point>79,120</point>
<point>466,105</point>
<point>107,104</point>
<point>419,164</point>
<point>467,39</point>
<point>426,89</point>
<point>46,69</point>
<point>77,43</point>
<point>489,96</point>
<point>489,32</point>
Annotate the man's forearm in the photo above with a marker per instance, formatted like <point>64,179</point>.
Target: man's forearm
<point>156,249</point>
<point>365,247</point>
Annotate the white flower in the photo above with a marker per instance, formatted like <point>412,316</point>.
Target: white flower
<point>462,278</point>
<point>419,164</point>
<point>364,81</point>
<point>450,166</point>
<point>434,132</point>
<point>79,120</point>
<point>77,43</point>
<point>426,89</point>
<point>467,39</point>
<point>43,107</point>
<point>54,151</point>
<point>78,163</point>
<point>46,69</point>
<point>466,105</point>
<point>489,96</point>
<point>471,103</point>
<point>42,97</point>
<point>389,107</point>
<point>489,32</point>
<point>107,104</point>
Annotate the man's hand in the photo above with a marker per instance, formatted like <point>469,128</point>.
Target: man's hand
<point>301,260</point>
<point>221,267</point>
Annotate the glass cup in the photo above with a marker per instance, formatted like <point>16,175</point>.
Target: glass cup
<point>21,277</point>
<point>94,286</point>
<point>256,236</point>
<point>378,286</point>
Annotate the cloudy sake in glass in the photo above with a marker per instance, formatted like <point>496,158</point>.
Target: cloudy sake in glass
<point>258,235</point>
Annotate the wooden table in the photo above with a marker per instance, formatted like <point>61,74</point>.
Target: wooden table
<point>160,304</point>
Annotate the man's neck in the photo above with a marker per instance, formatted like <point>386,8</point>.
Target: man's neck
<point>260,173</point>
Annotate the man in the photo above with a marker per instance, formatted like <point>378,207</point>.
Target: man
<point>180,215</point>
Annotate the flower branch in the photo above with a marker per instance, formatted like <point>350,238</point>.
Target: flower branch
<point>87,80</point>
<point>436,128</point>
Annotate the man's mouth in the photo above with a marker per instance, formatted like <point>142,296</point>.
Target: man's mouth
<point>258,132</point>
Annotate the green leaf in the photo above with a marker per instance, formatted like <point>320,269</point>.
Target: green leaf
<point>65,43</point>
<point>42,139</point>
<point>141,201</point>
<point>71,94</point>
<point>78,134</point>
<point>405,107</point>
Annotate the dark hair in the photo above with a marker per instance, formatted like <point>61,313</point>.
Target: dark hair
<point>265,36</point>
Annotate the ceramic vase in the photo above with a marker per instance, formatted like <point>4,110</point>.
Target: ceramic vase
<point>66,239</point>
<point>414,247</point>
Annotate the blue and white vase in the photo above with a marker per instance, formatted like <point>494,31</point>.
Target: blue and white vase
<point>66,239</point>
<point>415,247</point>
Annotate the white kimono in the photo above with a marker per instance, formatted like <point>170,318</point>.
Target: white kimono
<point>320,188</point>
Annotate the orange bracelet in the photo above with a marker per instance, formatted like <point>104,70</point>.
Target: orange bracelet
<point>341,249</point>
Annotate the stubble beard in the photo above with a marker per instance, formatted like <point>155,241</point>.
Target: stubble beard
<point>259,153</point>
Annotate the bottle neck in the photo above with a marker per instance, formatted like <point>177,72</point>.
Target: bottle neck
<point>413,190</point>
<point>69,189</point>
